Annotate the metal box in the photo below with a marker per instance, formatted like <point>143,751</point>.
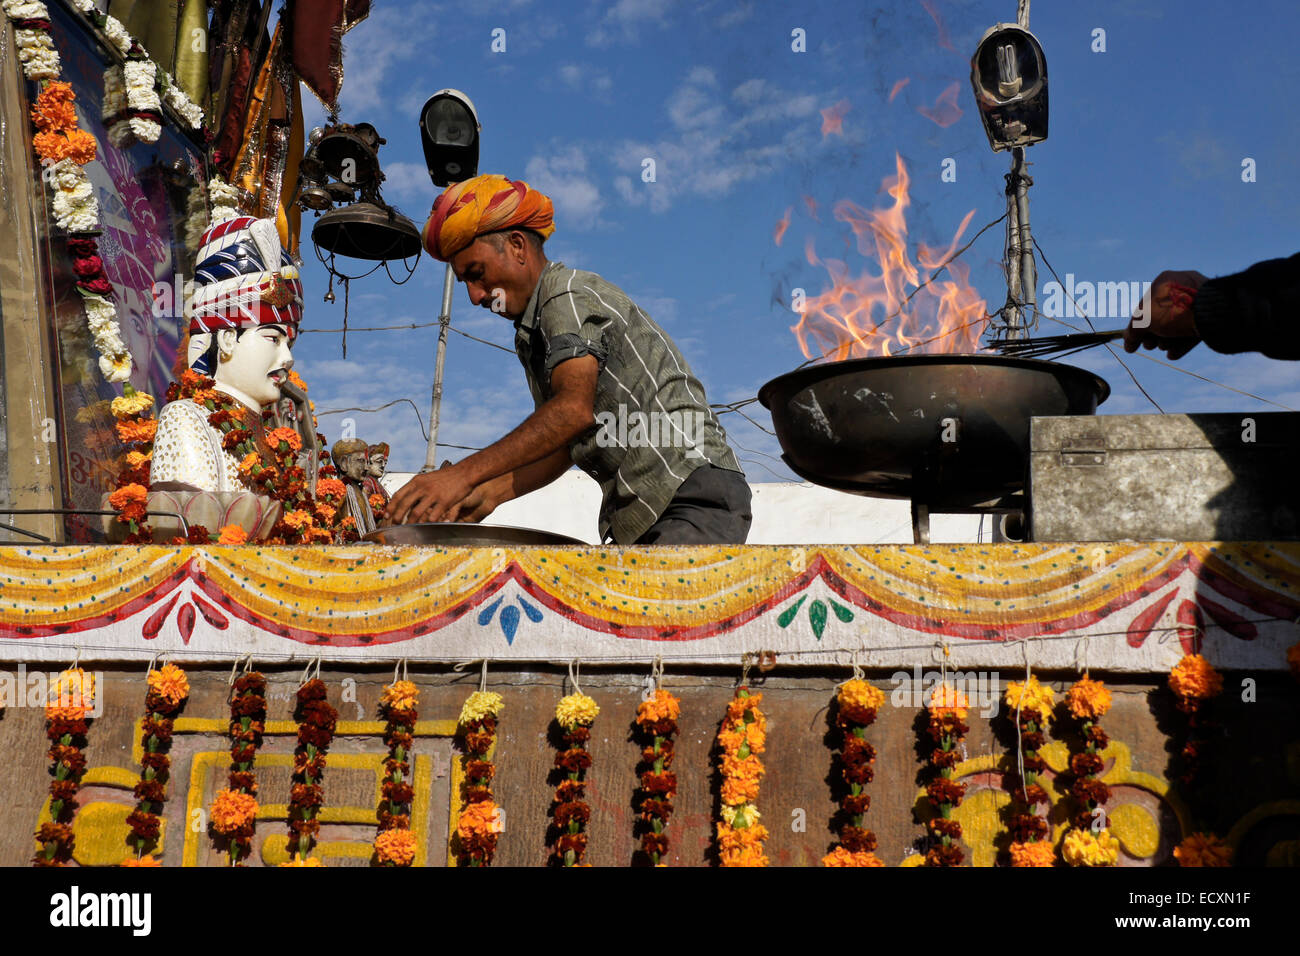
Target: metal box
<point>1213,477</point>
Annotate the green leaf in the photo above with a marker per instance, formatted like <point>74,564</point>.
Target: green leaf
<point>788,614</point>
<point>843,613</point>
<point>817,615</point>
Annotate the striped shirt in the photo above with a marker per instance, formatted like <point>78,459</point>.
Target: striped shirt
<point>653,423</point>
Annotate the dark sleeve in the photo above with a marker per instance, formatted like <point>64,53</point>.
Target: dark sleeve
<point>573,324</point>
<point>1257,310</point>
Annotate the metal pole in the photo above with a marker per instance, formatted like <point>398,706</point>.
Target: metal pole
<point>444,320</point>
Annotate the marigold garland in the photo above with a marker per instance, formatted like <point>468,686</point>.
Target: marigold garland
<point>234,811</point>
<point>856,705</point>
<point>742,737</point>
<point>316,723</point>
<point>1203,849</point>
<point>168,689</point>
<point>71,698</point>
<point>1030,704</point>
<point>1194,681</point>
<point>946,726</point>
<point>480,823</point>
<point>399,706</point>
<point>655,726</point>
<point>575,714</point>
<point>1088,843</point>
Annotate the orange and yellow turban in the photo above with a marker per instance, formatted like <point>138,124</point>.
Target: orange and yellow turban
<point>484,204</point>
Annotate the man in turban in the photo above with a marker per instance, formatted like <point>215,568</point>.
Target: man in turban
<point>613,394</point>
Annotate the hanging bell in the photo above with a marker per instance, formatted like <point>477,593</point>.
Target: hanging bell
<point>366,230</point>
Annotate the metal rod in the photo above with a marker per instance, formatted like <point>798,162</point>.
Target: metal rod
<point>1028,269</point>
<point>444,321</point>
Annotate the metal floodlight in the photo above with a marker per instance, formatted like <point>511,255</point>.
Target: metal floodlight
<point>449,131</point>
<point>1009,74</point>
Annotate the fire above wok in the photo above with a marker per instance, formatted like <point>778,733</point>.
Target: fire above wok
<point>947,431</point>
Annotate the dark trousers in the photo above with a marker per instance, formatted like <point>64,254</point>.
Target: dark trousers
<point>712,506</point>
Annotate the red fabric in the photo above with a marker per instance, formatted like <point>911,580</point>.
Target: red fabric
<point>317,29</point>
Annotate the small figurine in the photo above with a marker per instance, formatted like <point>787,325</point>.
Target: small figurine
<point>350,458</point>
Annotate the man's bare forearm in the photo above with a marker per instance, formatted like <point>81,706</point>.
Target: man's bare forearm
<point>533,445</point>
<point>540,473</point>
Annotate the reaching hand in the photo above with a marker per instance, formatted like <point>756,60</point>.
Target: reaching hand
<point>1165,318</point>
<point>429,497</point>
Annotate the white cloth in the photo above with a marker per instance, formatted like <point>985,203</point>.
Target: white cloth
<point>187,449</point>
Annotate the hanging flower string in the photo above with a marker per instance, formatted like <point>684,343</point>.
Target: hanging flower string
<point>946,727</point>
<point>71,699</point>
<point>234,811</point>
<point>1089,842</point>
<point>742,737</point>
<point>316,723</point>
<point>856,705</point>
<point>168,689</point>
<point>399,706</point>
<point>1030,704</point>
<point>575,714</point>
<point>480,823</point>
<point>656,725</point>
<point>1195,681</point>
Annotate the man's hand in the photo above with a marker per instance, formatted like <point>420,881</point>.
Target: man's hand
<point>1165,318</point>
<point>430,496</point>
<point>483,499</point>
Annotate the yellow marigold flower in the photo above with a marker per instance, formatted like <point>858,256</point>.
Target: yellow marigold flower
<point>127,405</point>
<point>72,695</point>
<point>1194,678</point>
<point>170,683</point>
<point>395,846</point>
<point>1030,697</point>
<point>1084,848</point>
<point>479,818</point>
<point>233,534</point>
<point>746,811</point>
<point>1088,699</point>
<point>1038,853</point>
<point>400,695</point>
<point>662,706</point>
<point>575,709</point>
<point>232,810</point>
<point>842,857</point>
<point>861,695</point>
<point>142,861</point>
<point>300,861</point>
<point>947,701</point>
<point>481,704</point>
<point>135,459</point>
<point>1203,849</point>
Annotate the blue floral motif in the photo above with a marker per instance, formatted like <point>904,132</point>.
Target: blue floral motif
<point>509,619</point>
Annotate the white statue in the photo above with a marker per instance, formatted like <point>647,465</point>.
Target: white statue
<point>244,313</point>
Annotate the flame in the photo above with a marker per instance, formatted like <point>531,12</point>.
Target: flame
<point>811,205</point>
<point>833,118</point>
<point>782,225</point>
<point>871,315</point>
<point>938,22</point>
<point>945,111</point>
<point>898,87</point>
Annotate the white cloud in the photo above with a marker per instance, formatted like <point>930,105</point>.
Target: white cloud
<point>587,79</point>
<point>563,176</point>
<point>408,185</point>
<point>626,19</point>
<point>375,47</point>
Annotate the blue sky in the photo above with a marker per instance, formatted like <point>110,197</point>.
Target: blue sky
<point>1142,172</point>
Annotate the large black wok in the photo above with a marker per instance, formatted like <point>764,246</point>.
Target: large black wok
<point>943,430</point>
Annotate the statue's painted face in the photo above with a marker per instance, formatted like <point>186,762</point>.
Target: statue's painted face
<point>378,464</point>
<point>354,465</point>
<point>256,362</point>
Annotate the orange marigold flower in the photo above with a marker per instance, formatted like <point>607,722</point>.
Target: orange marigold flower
<point>248,463</point>
<point>1088,699</point>
<point>233,534</point>
<point>296,379</point>
<point>737,706</point>
<point>232,810</point>
<point>170,683</point>
<point>142,861</point>
<point>298,519</point>
<point>1037,853</point>
<point>479,818</point>
<point>860,695</point>
<point>135,459</point>
<point>330,486</point>
<point>401,695</point>
<point>376,501</point>
<point>737,790</point>
<point>742,847</point>
<point>662,706</point>
<point>286,435</point>
<point>947,701</point>
<point>395,846</point>
<point>842,857</point>
<point>81,147</point>
<point>72,695</point>
<point>1194,678</point>
<point>128,494</point>
<point>1203,849</point>
<point>137,432</point>
<point>325,512</point>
